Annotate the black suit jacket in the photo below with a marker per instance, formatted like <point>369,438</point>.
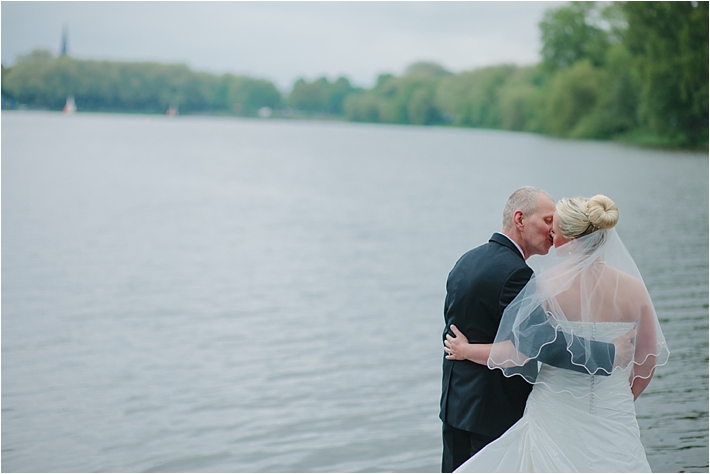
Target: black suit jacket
<point>479,288</point>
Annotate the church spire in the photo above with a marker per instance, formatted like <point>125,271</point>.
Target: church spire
<point>65,42</point>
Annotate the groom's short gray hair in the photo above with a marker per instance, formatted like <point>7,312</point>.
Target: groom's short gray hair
<point>525,199</point>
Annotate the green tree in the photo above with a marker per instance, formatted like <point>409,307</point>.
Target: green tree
<point>619,101</point>
<point>361,107</point>
<point>320,96</point>
<point>406,99</point>
<point>41,80</point>
<point>472,98</point>
<point>39,55</point>
<point>391,99</point>
<point>426,69</point>
<point>421,109</point>
<point>337,92</point>
<point>246,95</point>
<point>669,41</point>
<point>573,98</point>
<point>522,100</point>
<point>309,96</point>
<point>26,80</point>
<point>571,33</point>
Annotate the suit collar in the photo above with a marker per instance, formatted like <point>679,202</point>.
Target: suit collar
<point>506,242</point>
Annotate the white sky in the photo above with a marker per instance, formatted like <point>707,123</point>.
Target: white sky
<point>282,41</point>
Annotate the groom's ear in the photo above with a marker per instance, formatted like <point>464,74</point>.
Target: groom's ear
<point>518,219</point>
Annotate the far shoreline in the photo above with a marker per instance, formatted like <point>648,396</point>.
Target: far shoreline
<point>638,140</point>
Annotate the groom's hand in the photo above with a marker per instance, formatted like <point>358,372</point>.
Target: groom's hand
<point>625,347</point>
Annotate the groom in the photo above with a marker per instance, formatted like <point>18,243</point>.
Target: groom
<point>477,404</point>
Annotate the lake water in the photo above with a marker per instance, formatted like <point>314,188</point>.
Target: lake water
<point>213,294</point>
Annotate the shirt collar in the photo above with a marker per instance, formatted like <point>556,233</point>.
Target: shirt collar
<point>514,243</point>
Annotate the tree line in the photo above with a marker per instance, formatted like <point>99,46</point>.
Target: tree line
<point>621,70</point>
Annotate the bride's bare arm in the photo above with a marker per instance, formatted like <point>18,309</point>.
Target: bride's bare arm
<point>458,348</point>
<point>639,384</point>
<point>645,360</point>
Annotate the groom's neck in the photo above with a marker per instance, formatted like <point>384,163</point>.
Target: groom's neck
<point>517,241</point>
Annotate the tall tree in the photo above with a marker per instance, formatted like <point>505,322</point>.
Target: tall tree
<point>670,43</point>
<point>473,98</point>
<point>571,33</point>
<point>573,100</point>
<point>320,96</point>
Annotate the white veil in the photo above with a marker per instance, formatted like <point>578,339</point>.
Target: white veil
<point>591,279</point>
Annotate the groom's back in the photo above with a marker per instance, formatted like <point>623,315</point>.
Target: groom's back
<point>475,286</point>
<point>479,287</point>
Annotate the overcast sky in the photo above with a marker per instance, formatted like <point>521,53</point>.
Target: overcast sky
<point>282,41</point>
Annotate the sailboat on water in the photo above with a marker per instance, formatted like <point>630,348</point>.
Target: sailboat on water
<point>70,106</point>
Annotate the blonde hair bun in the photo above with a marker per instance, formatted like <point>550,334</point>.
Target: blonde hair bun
<point>602,212</point>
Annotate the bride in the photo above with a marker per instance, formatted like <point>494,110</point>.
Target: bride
<point>573,421</point>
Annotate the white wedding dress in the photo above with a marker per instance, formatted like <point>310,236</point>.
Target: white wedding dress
<point>573,422</point>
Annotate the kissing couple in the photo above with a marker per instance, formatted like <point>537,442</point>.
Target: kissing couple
<point>541,371</point>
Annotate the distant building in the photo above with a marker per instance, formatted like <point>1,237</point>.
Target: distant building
<point>64,50</point>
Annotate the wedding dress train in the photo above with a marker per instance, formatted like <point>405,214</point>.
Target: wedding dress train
<point>573,422</point>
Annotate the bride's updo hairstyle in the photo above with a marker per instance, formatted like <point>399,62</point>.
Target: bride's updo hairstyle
<point>582,216</point>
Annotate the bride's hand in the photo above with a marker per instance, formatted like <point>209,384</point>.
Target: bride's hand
<point>457,345</point>
<point>458,348</point>
<point>624,349</point>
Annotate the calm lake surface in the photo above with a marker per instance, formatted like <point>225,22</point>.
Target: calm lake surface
<point>224,295</point>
